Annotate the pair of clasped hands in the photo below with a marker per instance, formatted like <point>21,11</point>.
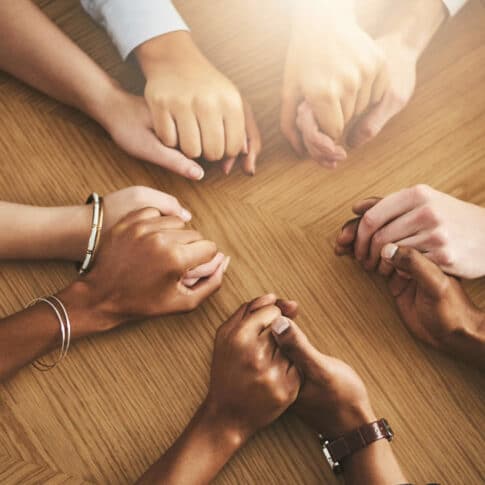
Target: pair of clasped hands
<point>340,88</point>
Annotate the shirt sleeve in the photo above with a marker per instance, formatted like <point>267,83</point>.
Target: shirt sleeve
<point>454,6</point>
<point>129,23</point>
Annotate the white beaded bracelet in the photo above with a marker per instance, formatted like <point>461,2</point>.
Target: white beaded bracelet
<point>95,235</point>
<point>64,326</point>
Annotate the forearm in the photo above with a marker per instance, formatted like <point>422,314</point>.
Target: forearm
<point>31,333</point>
<point>166,48</point>
<point>415,22</point>
<point>30,232</point>
<point>198,454</point>
<point>34,50</point>
<point>374,465</point>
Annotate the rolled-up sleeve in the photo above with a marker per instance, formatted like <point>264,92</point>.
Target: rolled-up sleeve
<point>454,6</point>
<point>129,23</point>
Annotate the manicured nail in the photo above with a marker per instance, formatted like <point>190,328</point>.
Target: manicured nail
<point>185,215</point>
<point>389,250</point>
<point>280,325</point>
<point>196,173</point>
<point>225,264</point>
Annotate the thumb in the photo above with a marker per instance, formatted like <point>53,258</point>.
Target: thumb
<point>151,149</point>
<point>372,122</point>
<point>427,275</point>
<point>294,343</point>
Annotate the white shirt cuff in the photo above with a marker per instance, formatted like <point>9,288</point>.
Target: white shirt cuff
<point>129,23</point>
<point>454,6</point>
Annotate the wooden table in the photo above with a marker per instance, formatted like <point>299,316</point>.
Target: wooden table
<point>121,399</point>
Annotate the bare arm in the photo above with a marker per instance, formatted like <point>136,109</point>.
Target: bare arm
<point>34,50</point>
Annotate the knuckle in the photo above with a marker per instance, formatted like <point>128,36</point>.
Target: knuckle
<point>438,237</point>
<point>421,193</point>
<point>369,130</point>
<point>350,82</point>
<point>378,238</point>
<point>138,230</point>
<point>233,102</point>
<point>430,215</point>
<point>445,257</point>
<point>368,220</point>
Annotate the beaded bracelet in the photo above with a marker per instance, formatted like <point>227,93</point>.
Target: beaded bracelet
<point>64,326</point>
<point>95,235</point>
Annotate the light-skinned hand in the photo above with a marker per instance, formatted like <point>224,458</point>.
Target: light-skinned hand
<point>449,231</point>
<point>193,106</point>
<point>333,65</point>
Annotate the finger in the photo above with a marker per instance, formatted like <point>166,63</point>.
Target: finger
<point>289,308</point>
<point>348,232</point>
<point>373,121</point>
<point>288,123</point>
<point>188,133</point>
<point>234,131</point>
<point>294,343</point>
<point>206,287</point>
<point>404,226</point>
<point>397,284</point>
<point>385,269</point>
<point>262,301</point>
<point>196,253</point>
<point>206,269</point>
<point>164,223</point>
<point>363,99</point>
<point>167,204</point>
<point>380,85</point>
<point>343,250</point>
<point>329,116</point>
<point>227,165</point>
<point>362,206</point>
<point>382,213</point>
<point>140,215</point>
<point>211,125</point>
<point>189,282</point>
<point>254,144</point>
<point>152,150</point>
<point>319,146</point>
<point>165,128</point>
<point>260,319</point>
<point>180,236</point>
<point>428,275</point>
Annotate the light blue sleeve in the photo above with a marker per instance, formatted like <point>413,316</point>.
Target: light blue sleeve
<point>454,6</point>
<point>129,23</point>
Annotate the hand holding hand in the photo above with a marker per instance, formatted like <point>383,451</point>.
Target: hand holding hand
<point>193,106</point>
<point>434,306</point>
<point>448,231</point>
<point>140,267</point>
<point>252,383</point>
<point>332,399</point>
<point>333,65</point>
<point>127,119</point>
<point>401,63</point>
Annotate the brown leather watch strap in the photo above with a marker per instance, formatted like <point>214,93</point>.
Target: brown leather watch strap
<point>337,450</point>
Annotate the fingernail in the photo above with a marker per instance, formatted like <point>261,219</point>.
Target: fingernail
<point>225,264</point>
<point>389,250</point>
<point>280,325</point>
<point>196,173</point>
<point>185,215</point>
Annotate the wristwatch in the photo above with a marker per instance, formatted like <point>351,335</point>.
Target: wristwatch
<point>337,450</point>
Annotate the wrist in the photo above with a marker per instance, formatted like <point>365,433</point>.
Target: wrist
<point>229,434</point>
<point>88,313</point>
<point>75,224</point>
<point>168,48</point>
<point>417,24</point>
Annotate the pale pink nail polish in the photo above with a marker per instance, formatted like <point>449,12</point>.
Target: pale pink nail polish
<point>280,325</point>
<point>389,250</point>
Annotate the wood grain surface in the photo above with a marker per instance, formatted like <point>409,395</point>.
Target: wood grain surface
<point>121,399</point>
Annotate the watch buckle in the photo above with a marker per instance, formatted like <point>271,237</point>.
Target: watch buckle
<point>389,431</point>
<point>335,466</point>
